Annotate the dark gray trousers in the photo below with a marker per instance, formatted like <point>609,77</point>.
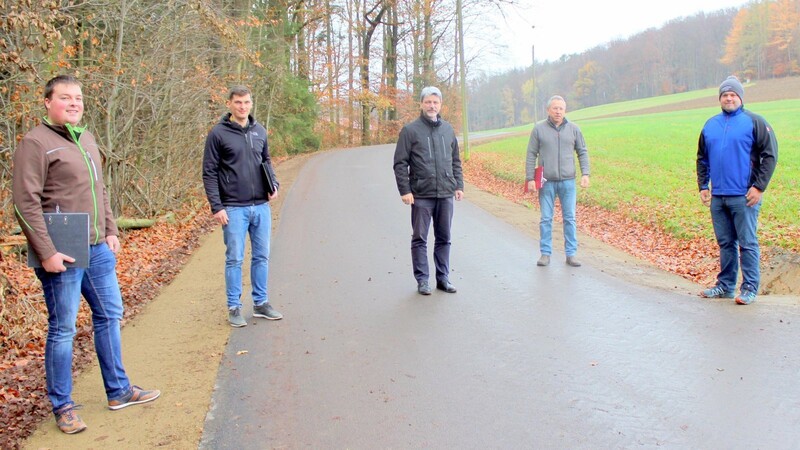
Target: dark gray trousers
<point>423,211</point>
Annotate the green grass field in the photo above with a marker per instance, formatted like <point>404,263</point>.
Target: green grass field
<point>644,166</point>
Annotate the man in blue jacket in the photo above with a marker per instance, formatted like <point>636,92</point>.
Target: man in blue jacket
<point>737,154</point>
<point>427,168</point>
<point>235,187</point>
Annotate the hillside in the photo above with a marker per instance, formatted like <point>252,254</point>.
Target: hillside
<point>760,91</point>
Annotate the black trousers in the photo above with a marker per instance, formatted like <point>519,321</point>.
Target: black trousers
<point>423,212</point>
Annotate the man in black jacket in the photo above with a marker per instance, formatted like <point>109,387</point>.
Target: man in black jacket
<point>427,169</point>
<point>236,191</point>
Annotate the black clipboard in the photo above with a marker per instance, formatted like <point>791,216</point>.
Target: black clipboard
<point>270,184</point>
<point>70,235</point>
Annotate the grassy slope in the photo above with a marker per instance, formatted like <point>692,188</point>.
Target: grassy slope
<point>644,165</point>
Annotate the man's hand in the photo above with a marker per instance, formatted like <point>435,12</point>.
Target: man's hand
<point>113,244</point>
<point>459,195</point>
<point>408,199</point>
<point>55,263</point>
<point>753,196</point>
<point>705,197</point>
<point>585,181</point>
<point>222,217</point>
<point>275,194</point>
<point>532,186</point>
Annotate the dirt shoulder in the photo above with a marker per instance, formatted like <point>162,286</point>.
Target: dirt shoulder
<point>177,341</point>
<point>174,344</point>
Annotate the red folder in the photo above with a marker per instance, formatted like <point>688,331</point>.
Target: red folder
<point>538,178</point>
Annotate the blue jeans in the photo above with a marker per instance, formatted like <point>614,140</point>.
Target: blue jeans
<point>62,294</point>
<point>257,221</point>
<point>735,226</point>
<point>565,191</point>
<point>423,212</point>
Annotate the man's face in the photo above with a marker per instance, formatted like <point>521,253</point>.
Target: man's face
<point>65,105</point>
<point>240,106</point>
<point>431,105</point>
<point>556,111</point>
<point>730,102</point>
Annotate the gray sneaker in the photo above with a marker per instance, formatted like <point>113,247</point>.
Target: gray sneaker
<point>235,318</point>
<point>573,261</point>
<point>544,260</point>
<point>266,311</point>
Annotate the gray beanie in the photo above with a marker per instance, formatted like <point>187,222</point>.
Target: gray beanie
<point>430,90</point>
<point>732,84</point>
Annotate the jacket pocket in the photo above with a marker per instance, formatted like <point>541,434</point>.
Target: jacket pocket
<point>423,186</point>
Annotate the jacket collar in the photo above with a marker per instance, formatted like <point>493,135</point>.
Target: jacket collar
<point>563,122</point>
<point>735,113</point>
<point>67,131</point>
<point>429,122</point>
<point>226,120</point>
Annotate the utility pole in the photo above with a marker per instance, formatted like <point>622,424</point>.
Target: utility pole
<point>463,78</point>
<point>533,71</point>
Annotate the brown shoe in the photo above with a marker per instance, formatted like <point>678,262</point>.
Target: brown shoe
<point>572,261</point>
<point>134,397</point>
<point>544,260</point>
<point>68,421</point>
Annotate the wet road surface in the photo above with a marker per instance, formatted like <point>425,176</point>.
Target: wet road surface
<point>520,357</point>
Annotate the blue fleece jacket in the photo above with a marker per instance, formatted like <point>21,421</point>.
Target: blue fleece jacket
<point>736,151</point>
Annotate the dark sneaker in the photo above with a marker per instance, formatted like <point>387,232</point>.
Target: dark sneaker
<point>68,421</point>
<point>746,297</point>
<point>266,311</point>
<point>235,318</point>
<point>716,292</point>
<point>424,288</point>
<point>134,397</point>
<point>544,260</point>
<point>572,261</point>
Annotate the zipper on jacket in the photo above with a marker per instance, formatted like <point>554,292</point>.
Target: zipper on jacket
<point>430,150</point>
<point>92,178</point>
<point>249,145</point>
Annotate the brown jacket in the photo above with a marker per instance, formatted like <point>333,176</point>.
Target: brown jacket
<point>52,171</point>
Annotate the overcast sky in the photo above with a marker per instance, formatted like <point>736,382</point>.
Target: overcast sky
<point>572,26</point>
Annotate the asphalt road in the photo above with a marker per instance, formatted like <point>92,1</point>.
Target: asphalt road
<point>520,357</point>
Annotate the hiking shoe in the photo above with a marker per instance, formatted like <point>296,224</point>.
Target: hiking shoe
<point>716,292</point>
<point>446,286</point>
<point>746,297</point>
<point>544,260</point>
<point>68,421</point>
<point>266,311</point>
<point>572,261</point>
<point>135,396</point>
<point>424,288</point>
<point>235,318</point>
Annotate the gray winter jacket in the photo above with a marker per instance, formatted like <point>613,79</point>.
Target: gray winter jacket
<point>552,147</point>
<point>426,160</point>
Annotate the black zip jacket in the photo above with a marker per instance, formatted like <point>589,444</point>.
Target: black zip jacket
<point>232,164</point>
<point>426,160</point>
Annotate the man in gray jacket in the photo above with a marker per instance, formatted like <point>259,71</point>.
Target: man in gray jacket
<point>551,146</point>
<point>427,169</point>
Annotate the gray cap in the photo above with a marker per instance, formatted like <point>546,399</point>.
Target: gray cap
<point>430,90</point>
<point>732,84</point>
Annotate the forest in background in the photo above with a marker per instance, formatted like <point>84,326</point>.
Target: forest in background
<point>759,41</point>
<point>326,73</point>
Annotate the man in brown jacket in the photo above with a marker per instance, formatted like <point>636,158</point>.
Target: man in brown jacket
<point>58,168</point>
